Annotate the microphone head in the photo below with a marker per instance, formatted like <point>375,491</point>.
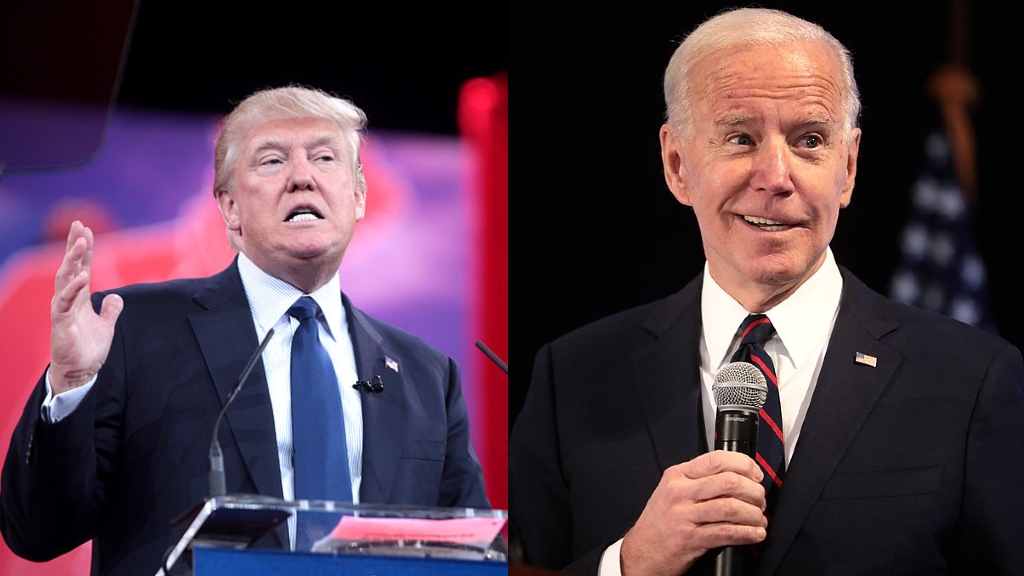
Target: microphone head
<point>740,385</point>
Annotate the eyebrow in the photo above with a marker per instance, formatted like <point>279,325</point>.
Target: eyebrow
<point>816,120</point>
<point>730,120</point>
<point>269,144</point>
<point>314,141</point>
<point>322,140</point>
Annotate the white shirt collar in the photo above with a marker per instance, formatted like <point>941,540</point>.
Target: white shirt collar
<point>270,297</point>
<point>802,321</point>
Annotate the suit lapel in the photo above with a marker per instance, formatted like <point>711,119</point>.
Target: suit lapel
<point>668,377</point>
<point>227,339</point>
<point>845,393</point>
<point>383,414</point>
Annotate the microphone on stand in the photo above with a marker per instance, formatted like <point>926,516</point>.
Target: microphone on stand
<point>740,390</point>
<point>494,357</point>
<point>216,476</point>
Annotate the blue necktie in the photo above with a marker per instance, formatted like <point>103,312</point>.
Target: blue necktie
<point>755,330</point>
<point>318,423</point>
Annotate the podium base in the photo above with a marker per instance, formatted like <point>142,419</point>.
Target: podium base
<point>228,562</point>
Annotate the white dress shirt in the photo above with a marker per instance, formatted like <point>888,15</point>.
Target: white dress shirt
<point>803,324</point>
<point>269,299</point>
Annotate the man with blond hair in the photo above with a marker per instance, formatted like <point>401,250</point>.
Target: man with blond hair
<point>890,440</point>
<point>113,441</point>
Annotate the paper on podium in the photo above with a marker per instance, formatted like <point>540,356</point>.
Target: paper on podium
<point>466,538</point>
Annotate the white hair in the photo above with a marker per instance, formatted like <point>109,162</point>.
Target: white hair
<point>748,27</point>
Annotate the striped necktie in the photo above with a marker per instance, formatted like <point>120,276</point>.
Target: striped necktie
<point>755,330</point>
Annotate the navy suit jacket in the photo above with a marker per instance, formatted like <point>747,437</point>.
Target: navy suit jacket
<point>133,455</point>
<point>911,466</point>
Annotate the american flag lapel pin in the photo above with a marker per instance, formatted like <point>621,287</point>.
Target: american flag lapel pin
<point>862,358</point>
<point>391,363</point>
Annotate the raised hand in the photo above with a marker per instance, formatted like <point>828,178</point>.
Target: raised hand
<point>79,338</point>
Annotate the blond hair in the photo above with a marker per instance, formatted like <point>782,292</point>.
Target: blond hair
<point>287,102</point>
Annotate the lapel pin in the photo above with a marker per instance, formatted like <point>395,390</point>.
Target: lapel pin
<point>866,360</point>
<point>391,363</point>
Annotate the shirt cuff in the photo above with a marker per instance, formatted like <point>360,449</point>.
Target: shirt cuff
<point>59,407</point>
<point>610,565</point>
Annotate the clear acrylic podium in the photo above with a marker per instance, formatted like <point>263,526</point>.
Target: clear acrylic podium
<point>216,536</point>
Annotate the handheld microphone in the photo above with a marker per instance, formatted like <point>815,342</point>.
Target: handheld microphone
<point>216,476</point>
<point>740,390</point>
<point>375,386</point>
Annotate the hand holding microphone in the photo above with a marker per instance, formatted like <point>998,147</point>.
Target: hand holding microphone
<point>712,501</point>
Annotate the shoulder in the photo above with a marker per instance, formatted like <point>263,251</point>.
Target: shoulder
<point>176,297</point>
<point>924,334</point>
<point>226,284</point>
<point>634,327</point>
<point>179,288</point>
<point>156,295</point>
<point>393,339</point>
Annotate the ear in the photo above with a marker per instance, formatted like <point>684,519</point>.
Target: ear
<point>853,147</point>
<point>229,210</point>
<point>673,162</point>
<point>360,203</point>
<point>360,191</point>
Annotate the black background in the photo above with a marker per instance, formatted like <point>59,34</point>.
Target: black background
<point>605,234</point>
<point>402,62</point>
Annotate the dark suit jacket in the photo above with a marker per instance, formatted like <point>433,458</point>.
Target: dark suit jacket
<point>134,454</point>
<point>912,466</point>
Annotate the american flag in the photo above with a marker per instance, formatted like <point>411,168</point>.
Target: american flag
<point>862,358</point>
<point>940,268</point>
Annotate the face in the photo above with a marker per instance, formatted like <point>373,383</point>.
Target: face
<point>767,166</point>
<point>292,202</point>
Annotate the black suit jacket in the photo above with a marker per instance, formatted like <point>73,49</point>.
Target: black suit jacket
<point>134,454</point>
<point>912,466</point>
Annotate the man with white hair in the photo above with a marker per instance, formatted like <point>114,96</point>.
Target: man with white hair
<point>113,441</point>
<point>891,438</point>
